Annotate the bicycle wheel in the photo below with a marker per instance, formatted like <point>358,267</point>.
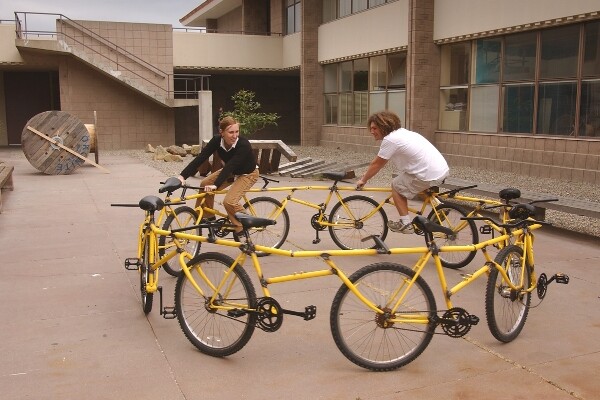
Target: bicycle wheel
<point>350,227</point>
<point>221,328</point>
<point>360,333</point>
<point>506,309</point>
<point>449,215</point>
<point>181,217</point>
<point>147,298</point>
<point>272,235</point>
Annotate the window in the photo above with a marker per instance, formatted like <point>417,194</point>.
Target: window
<point>519,57</point>
<point>294,16</point>
<point>556,108</point>
<point>355,89</point>
<point>333,9</point>
<point>560,48</point>
<point>518,108</point>
<point>543,82</point>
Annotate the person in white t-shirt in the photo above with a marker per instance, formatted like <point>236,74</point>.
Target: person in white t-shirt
<point>418,163</point>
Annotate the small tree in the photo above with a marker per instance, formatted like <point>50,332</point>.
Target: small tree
<point>245,111</point>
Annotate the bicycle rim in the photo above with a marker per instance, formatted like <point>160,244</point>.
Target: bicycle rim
<point>216,332</point>
<point>180,218</point>
<point>358,331</point>
<point>272,235</point>
<point>350,224</point>
<point>465,233</point>
<point>147,298</point>
<point>506,309</point>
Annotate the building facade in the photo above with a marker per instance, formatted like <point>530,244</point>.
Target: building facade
<point>511,86</point>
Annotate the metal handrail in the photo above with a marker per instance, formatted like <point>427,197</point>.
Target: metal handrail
<point>169,92</point>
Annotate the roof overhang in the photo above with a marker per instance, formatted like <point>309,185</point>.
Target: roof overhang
<point>209,9</point>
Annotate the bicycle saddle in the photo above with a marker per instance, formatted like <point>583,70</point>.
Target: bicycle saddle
<point>248,221</point>
<point>334,176</point>
<point>151,203</point>
<point>428,226</point>
<point>509,194</point>
<point>522,211</point>
<point>170,185</point>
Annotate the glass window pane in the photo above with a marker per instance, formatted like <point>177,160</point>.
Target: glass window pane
<point>361,75</point>
<point>591,55</point>
<point>331,107</point>
<point>455,64</point>
<point>589,115</point>
<point>360,108</point>
<point>396,71</point>
<point>517,110</point>
<point>345,77</point>
<point>373,3</point>
<point>378,73</point>
<point>290,20</point>
<point>330,78</point>
<point>560,49</point>
<point>487,60</point>
<point>345,8</point>
<point>298,17</point>
<point>329,10</point>
<point>397,104</point>
<point>346,109</point>
<point>519,57</point>
<point>556,108</point>
<point>376,102</point>
<point>359,5</point>
<point>453,111</point>
<point>484,109</point>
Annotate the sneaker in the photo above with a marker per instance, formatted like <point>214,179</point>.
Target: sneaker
<point>400,227</point>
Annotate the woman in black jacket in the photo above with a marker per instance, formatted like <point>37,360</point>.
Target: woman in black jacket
<point>239,164</point>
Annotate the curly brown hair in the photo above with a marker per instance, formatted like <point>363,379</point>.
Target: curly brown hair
<point>386,121</point>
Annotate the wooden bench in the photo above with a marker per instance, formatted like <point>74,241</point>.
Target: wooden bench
<point>6,181</point>
<point>267,152</point>
<point>564,204</point>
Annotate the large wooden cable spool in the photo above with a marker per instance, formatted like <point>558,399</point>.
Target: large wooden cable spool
<point>56,143</point>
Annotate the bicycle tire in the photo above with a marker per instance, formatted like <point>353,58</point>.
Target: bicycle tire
<point>181,217</point>
<point>272,235</point>
<point>348,238</point>
<point>361,338</point>
<point>505,310</point>
<point>147,298</point>
<point>449,215</point>
<point>211,330</point>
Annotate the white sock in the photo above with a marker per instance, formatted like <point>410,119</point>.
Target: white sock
<point>435,201</point>
<point>405,219</point>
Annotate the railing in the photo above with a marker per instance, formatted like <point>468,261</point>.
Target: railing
<point>184,85</point>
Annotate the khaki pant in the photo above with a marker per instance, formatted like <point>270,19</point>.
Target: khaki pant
<point>231,202</point>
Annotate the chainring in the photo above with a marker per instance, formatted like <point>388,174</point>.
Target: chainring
<point>269,314</point>
<point>314,222</point>
<point>222,231</point>
<point>456,322</point>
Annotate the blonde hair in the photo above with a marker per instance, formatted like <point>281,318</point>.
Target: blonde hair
<point>226,122</point>
<point>386,121</point>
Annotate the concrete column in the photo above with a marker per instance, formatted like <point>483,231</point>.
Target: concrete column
<point>311,75</point>
<point>205,115</point>
<point>423,64</point>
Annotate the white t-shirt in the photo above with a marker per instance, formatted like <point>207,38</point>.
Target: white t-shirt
<point>412,154</point>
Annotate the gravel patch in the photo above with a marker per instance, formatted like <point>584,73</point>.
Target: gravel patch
<point>577,190</point>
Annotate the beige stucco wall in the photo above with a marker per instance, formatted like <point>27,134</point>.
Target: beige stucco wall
<point>8,52</point>
<point>292,51</point>
<point>360,33</point>
<point>209,50</point>
<point>461,17</point>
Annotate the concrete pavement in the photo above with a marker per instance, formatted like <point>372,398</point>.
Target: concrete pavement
<point>73,327</point>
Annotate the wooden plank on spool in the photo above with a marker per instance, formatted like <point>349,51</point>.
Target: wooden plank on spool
<point>66,148</point>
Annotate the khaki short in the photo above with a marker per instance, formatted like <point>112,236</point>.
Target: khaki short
<point>409,186</point>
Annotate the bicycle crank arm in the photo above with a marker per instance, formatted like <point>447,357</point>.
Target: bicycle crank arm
<point>166,312</point>
<point>543,282</point>
<point>310,312</point>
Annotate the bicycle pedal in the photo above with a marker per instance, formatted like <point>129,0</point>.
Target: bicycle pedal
<point>310,312</point>
<point>485,229</point>
<point>473,320</point>
<point>132,264</point>
<point>561,278</point>
<point>236,313</point>
<point>169,313</point>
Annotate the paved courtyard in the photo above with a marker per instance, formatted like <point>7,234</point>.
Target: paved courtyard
<point>73,327</point>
